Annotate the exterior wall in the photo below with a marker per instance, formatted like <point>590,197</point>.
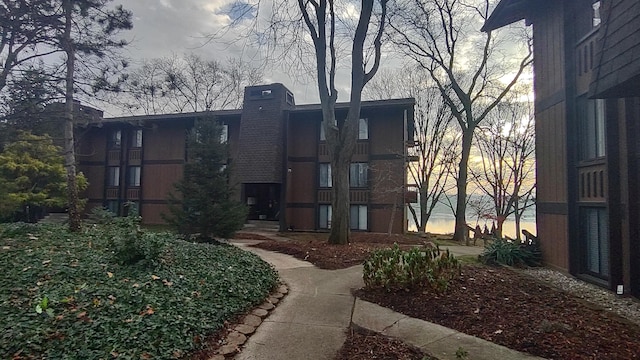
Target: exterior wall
<point>274,146</point>
<point>91,157</point>
<point>551,145</point>
<point>302,179</point>
<point>619,53</point>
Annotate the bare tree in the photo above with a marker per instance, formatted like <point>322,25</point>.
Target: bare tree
<point>506,172</point>
<point>321,28</point>
<point>432,155</point>
<point>89,31</point>
<point>187,83</point>
<point>25,27</point>
<point>466,65</point>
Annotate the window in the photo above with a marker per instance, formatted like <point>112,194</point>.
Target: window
<point>358,217</point>
<point>325,217</point>
<point>134,176</point>
<point>224,134</point>
<point>591,121</point>
<point>113,206</point>
<point>594,234</point>
<point>363,129</point>
<point>113,176</point>
<point>136,138</point>
<point>115,138</point>
<point>325,176</point>
<point>323,137</point>
<point>358,175</point>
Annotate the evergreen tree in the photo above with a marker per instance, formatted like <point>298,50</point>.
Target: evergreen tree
<point>204,203</point>
<point>32,177</point>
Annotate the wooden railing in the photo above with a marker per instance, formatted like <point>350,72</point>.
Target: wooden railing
<point>592,183</point>
<point>113,157</point>
<point>133,194</point>
<point>355,196</point>
<point>135,155</point>
<point>585,57</point>
<point>112,193</point>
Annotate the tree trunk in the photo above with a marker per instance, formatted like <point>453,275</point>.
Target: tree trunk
<point>518,215</point>
<point>423,209</point>
<point>340,199</point>
<point>69,147</point>
<point>461,233</point>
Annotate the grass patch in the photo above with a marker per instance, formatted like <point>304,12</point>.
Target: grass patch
<point>66,296</point>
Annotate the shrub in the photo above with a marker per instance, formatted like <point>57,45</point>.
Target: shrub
<point>394,269</point>
<point>503,252</point>
<point>128,242</point>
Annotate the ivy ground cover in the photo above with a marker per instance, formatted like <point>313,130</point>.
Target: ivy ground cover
<point>68,296</point>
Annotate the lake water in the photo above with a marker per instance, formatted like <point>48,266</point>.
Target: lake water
<point>444,223</point>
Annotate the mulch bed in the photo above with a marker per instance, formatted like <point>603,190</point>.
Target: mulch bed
<point>362,344</point>
<point>497,304</point>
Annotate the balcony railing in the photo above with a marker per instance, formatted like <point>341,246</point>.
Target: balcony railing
<point>585,57</point>
<point>592,183</point>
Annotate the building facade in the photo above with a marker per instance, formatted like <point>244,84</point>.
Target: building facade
<point>587,76</point>
<point>277,154</point>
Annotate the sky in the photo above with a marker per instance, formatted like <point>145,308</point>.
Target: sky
<point>166,27</point>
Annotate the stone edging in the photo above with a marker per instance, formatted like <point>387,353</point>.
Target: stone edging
<point>239,332</point>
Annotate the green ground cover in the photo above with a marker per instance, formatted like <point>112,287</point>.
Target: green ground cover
<point>114,291</point>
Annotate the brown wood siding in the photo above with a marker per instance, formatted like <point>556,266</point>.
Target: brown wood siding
<point>386,133</point>
<point>553,232</point>
<point>301,182</point>
<point>93,145</point>
<point>164,143</point>
<point>303,136</point>
<point>302,218</point>
<point>619,50</point>
<point>95,174</point>
<point>158,179</point>
<point>551,157</point>
<point>152,213</point>
<point>551,142</point>
<point>549,52</point>
<point>379,219</point>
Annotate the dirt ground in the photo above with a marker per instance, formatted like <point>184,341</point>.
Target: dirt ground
<point>497,304</point>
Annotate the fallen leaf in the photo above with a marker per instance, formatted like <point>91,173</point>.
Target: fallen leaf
<point>155,277</point>
<point>81,315</point>
<point>110,274</point>
<point>135,285</point>
<point>46,262</point>
<point>476,311</point>
<point>498,332</point>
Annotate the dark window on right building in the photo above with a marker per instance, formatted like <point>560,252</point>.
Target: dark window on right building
<point>595,241</point>
<point>591,125</point>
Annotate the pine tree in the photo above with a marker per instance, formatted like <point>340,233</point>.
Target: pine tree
<point>204,204</point>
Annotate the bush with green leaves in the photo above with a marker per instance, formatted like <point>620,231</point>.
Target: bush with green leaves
<point>394,269</point>
<point>65,298</point>
<point>512,253</point>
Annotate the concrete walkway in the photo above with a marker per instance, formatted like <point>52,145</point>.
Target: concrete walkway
<point>312,320</point>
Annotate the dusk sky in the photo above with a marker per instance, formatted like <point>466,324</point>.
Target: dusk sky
<point>166,27</point>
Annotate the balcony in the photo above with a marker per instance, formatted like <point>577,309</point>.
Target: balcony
<point>359,196</point>
<point>585,58</point>
<point>133,194</point>
<point>112,193</point>
<point>135,155</point>
<point>592,183</point>
<point>113,157</point>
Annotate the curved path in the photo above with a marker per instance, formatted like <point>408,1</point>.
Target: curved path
<point>312,320</point>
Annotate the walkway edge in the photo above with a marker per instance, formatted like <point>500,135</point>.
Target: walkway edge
<point>431,338</point>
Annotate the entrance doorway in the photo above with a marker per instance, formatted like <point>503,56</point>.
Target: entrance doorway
<point>263,201</point>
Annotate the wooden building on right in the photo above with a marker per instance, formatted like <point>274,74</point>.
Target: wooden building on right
<point>587,91</point>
